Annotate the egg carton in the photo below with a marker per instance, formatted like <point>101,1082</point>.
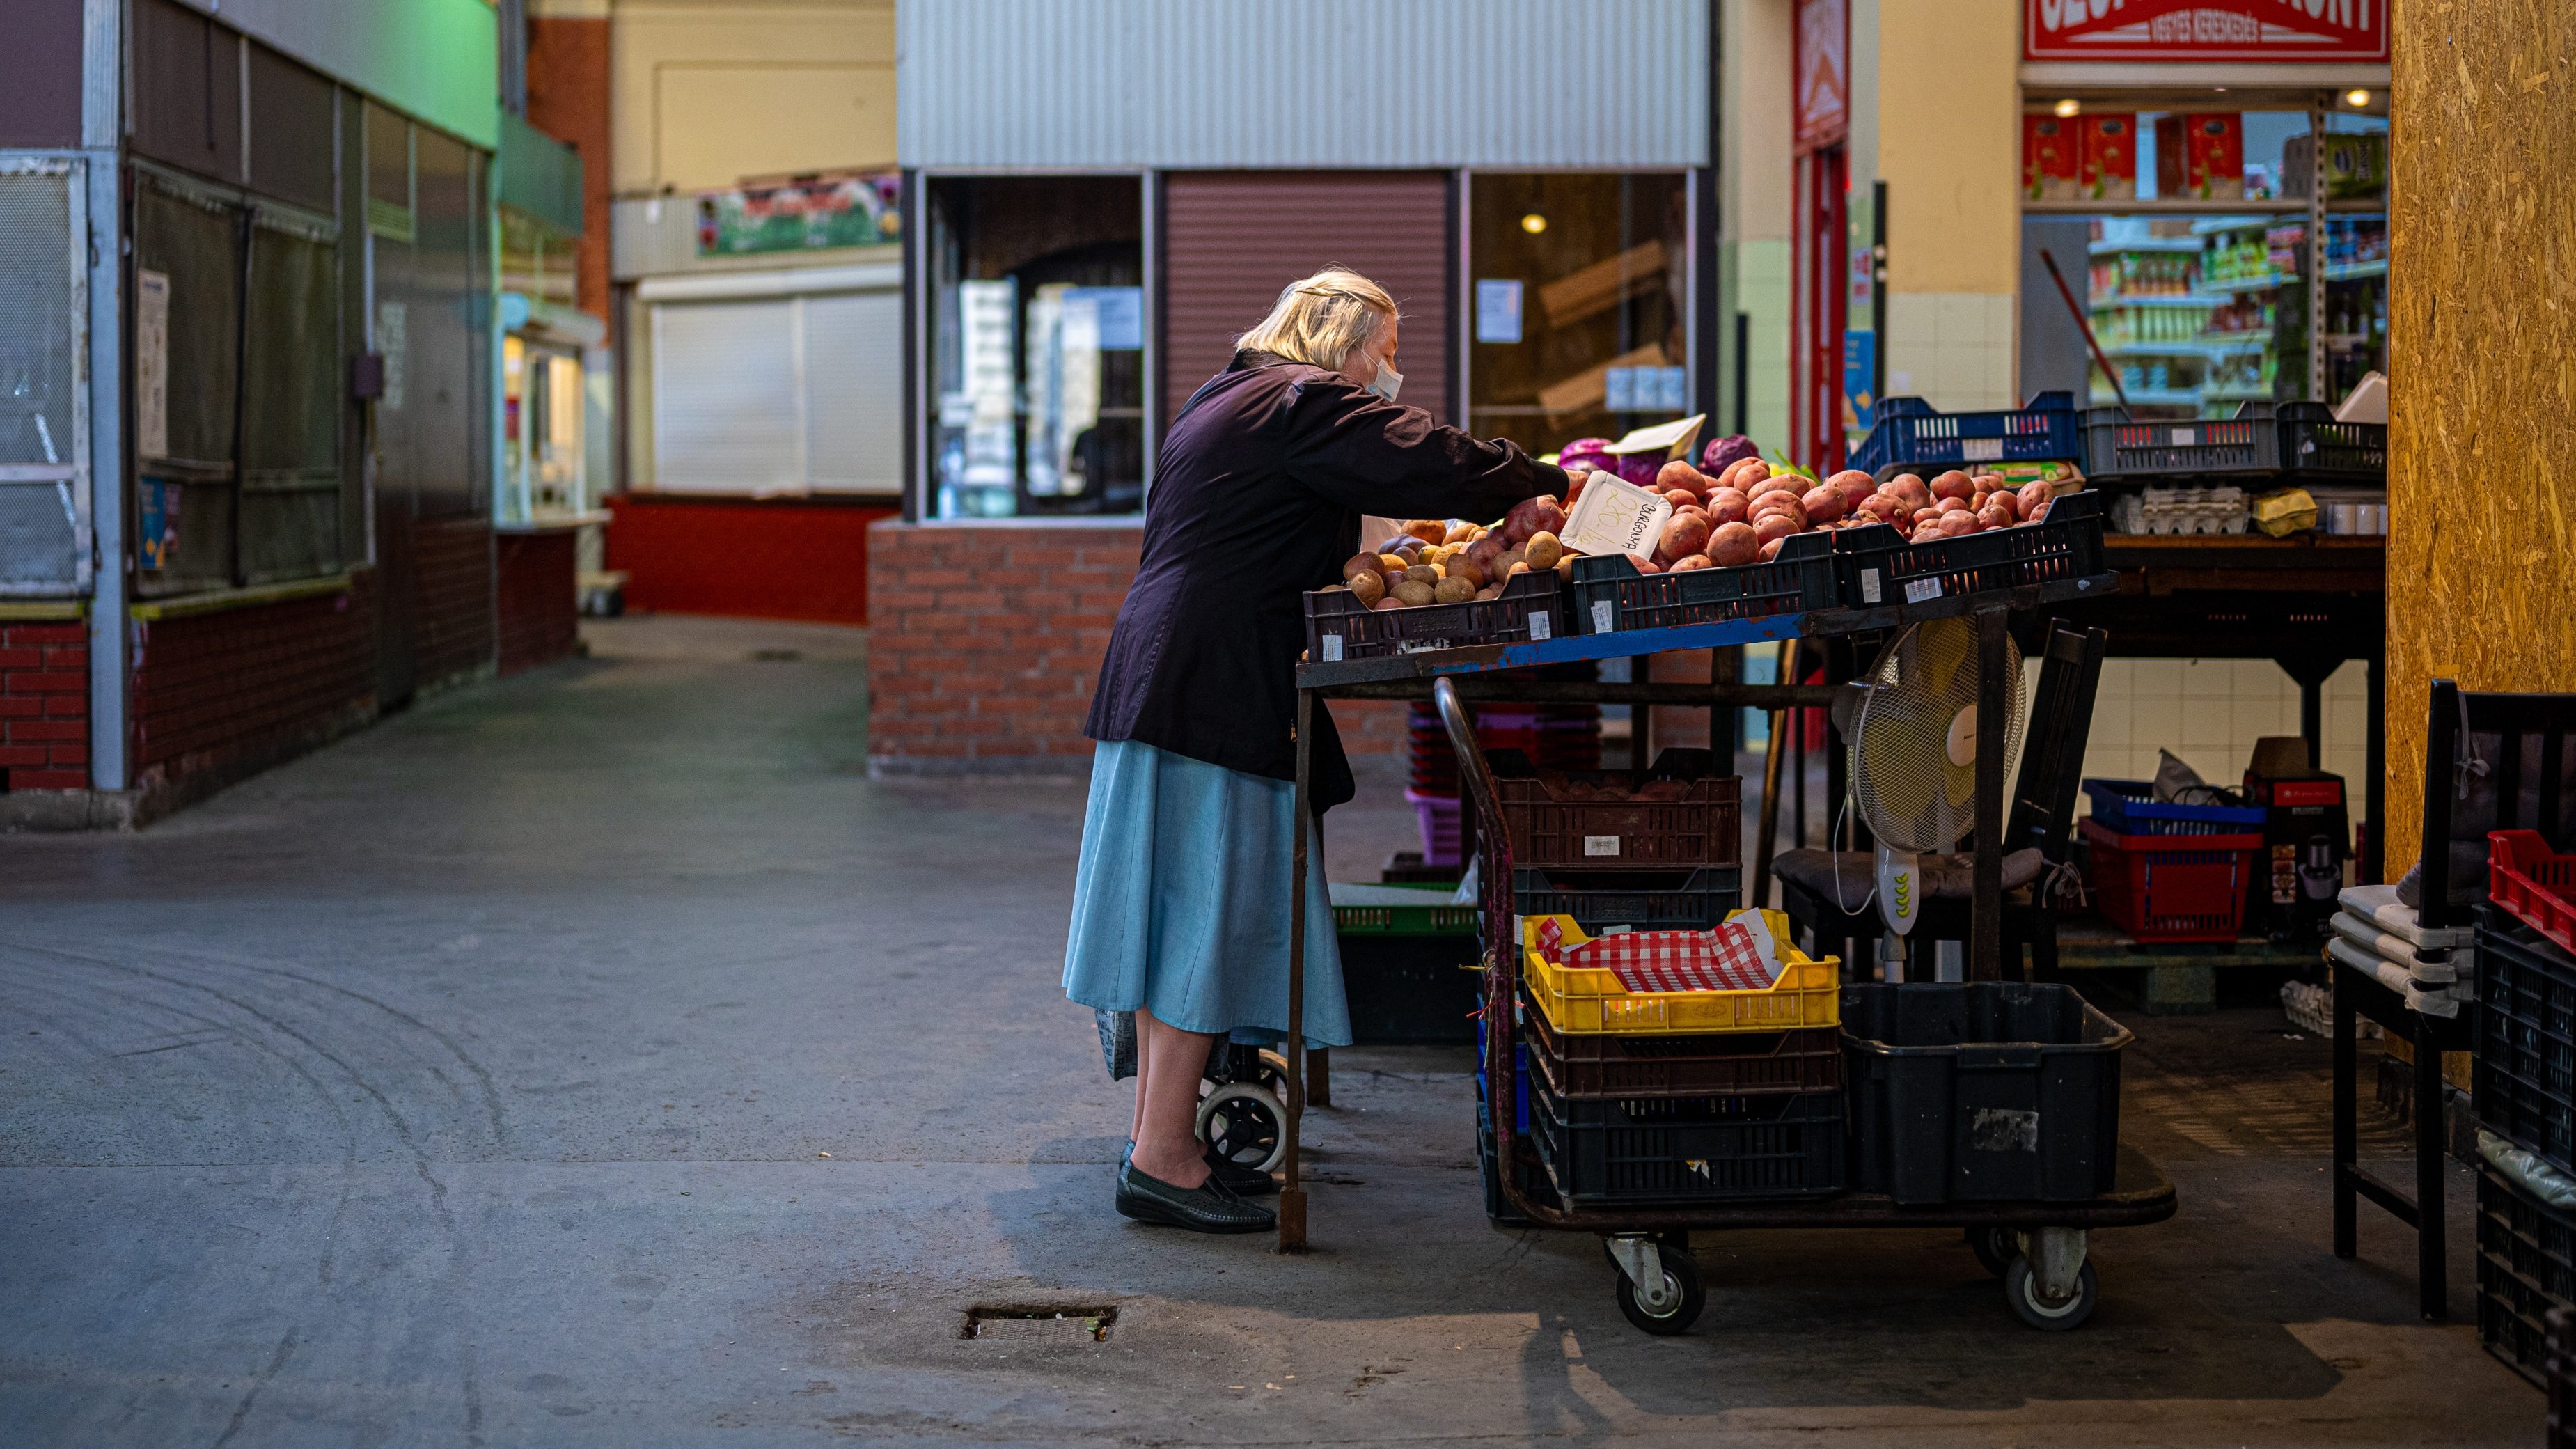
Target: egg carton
<point>2181,510</point>
<point>2311,1009</point>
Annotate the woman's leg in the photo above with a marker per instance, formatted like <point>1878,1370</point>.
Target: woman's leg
<point>1169,1064</point>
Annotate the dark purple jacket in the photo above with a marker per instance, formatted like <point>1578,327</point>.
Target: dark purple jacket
<point>1257,497</point>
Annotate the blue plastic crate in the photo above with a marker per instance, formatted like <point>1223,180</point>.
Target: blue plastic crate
<point>1911,433</point>
<point>2130,807</point>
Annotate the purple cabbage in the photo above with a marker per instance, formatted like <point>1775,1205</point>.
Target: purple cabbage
<point>1733,449</point>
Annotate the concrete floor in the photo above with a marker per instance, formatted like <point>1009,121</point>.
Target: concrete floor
<point>601,1058</point>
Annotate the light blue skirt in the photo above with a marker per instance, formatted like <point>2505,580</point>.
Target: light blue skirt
<point>1180,905</point>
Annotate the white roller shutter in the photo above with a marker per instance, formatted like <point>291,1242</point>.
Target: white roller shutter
<point>854,391</point>
<point>725,397</point>
<point>779,382</point>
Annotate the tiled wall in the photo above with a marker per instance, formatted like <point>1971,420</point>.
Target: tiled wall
<point>1954,349</point>
<point>2210,712</point>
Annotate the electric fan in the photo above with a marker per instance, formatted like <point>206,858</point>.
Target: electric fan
<point>1913,730</point>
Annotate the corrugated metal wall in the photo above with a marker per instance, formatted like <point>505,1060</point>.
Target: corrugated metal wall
<point>1231,240</point>
<point>1185,83</point>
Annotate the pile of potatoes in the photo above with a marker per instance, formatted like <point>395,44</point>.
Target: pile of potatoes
<point>1740,516</point>
<point>1434,563</point>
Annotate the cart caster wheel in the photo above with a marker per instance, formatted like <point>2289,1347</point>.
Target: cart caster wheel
<point>1995,1248</point>
<point>2021,1290</point>
<point>1244,1123</point>
<point>1672,1306</point>
<point>1274,1073</point>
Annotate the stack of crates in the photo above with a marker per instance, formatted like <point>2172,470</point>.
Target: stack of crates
<point>1552,736</point>
<point>2167,872</point>
<point>1681,1097</point>
<point>2525,1096</point>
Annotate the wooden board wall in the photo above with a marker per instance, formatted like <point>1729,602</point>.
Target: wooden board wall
<point>2482,333</point>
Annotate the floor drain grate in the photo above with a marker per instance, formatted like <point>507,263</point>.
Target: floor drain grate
<point>1042,1323</point>
<point>777,656</point>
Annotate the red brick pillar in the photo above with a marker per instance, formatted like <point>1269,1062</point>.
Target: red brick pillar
<point>44,706</point>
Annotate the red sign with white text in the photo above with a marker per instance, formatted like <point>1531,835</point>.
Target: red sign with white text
<point>2185,30</point>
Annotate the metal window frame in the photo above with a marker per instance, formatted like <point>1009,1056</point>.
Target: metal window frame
<point>76,473</point>
<point>917,495</point>
<point>1463,326</point>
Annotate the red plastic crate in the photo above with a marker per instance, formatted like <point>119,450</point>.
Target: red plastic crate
<point>2527,878</point>
<point>2172,887</point>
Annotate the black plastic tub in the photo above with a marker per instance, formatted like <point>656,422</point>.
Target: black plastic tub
<point>1688,1149</point>
<point>1988,1091</point>
<point>1644,900</point>
<point>1409,990</point>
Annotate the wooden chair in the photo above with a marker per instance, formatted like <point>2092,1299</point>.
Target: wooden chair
<point>2491,762</point>
<point>2042,817</point>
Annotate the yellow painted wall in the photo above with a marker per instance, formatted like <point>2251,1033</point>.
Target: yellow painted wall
<point>2482,344</point>
<point>707,93</point>
<point>1949,143</point>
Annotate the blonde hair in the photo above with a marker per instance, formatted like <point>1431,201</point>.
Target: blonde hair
<point>1320,319</point>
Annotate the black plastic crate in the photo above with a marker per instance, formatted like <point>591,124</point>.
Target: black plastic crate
<point>1986,1091</point>
<point>1909,432</point>
<point>1877,567</point>
<point>2524,1085</point>
<point>1525,1167</point>
<point>1580,1065</point>
<point>2560,1370</point>
<point>1610,595</point>
<point>1532,606</point>
<point>1688,1149</point>
<point>1409,990</point>
<point>2316,449</point>
<point>1643,900</point>
<point>1679,815</point>
<point>2247,445</point>
<point>2526,1269</point>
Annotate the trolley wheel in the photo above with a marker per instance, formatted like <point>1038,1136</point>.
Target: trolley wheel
<point>1243,1122</point>
<point>1274,1073</point>
<point>1673,1305</point>
<point>2021,1290</point>
<point>1995,1248</point>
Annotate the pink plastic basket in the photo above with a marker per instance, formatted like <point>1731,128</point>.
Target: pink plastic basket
<point>2529,879</point>
<point>1439,817</point>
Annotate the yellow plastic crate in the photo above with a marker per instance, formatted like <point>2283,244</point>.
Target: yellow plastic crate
<point>1591,1001</point>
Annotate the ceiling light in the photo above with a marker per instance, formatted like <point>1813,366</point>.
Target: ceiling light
<point>1533,223</point>
<point>2069,106</point>
<point>2356,98</point>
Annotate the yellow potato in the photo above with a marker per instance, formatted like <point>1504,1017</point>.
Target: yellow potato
<point>1543,551</point>
<point>1454,591</point>
<point>1393,565</point>
<point>1414,593</point>
<point>1423,574</point>
<point>1368,587</point>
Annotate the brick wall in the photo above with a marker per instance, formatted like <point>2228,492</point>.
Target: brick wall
<point>568,65</point>
<point>452,598</point>
<point>223,695</point>
<point>984,644</point>
<point>44,706</point>
<point>758,558</point>
<point>540,618</point>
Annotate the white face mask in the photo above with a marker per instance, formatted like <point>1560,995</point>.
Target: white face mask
<point>1388,382</point>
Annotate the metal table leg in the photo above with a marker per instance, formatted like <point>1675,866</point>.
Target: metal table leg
<point>2347,1131</point>
<point>2430,1259</point>
<point>1292,1196</point>
<point>1986,906</point>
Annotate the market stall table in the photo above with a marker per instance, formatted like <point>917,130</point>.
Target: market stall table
<point>2055,1230</point>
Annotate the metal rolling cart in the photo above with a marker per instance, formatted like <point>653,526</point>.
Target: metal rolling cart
<point>1659,1285</point>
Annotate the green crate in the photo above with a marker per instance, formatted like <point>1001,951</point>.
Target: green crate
<point>1361,909</point>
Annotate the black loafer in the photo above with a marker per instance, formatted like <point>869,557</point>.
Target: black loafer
<point>1240,1180</point>
<point>1207,1209</point>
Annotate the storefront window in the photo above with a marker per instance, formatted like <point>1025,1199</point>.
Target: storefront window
<point>1037,345</point>
<point>2201,305</point>
<point>1580,305</point>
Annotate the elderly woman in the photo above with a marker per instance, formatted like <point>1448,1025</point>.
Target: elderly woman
<point>1180,910</point>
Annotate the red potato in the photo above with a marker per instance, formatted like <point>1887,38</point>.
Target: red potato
<point>1683,536</point>
<point>1824,504</point>
<point>1953,484</point>
<point>1779,505</point>
<point>1773,528</point>
<point>1769,551</point>
<point>2038,513</point>
<point>1644,564</point>
<point>1779,483</point>
<point>1957,523</point>
<point>1728,505</point>
<point>1692,564</point>
<point>1390,601</point>
<point>1854,482</point>
<point>1744,473</point>
<point>1953,504</point>
<point>1680,497</point>
<point>1679,474</point>
<point>1997,513</point>
<point>1733,544</point>
<point>1533,515</point>
<point>1484,551</point>
<point>1575,479</point>
<point>1923,516</point>
<point>2029,499</point>
<point>1909,486</point>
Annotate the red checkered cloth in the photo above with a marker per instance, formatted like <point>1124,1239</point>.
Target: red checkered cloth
<point>1725,959</point>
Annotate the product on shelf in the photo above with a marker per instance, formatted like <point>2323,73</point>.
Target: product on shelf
<point>2110,156</point>
<point>2201,156</point>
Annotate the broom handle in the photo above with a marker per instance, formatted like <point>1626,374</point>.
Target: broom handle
<point>2085,324</point>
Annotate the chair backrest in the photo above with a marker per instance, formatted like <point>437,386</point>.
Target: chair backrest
<point>2491,762</point>
<point>2052,749</point>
